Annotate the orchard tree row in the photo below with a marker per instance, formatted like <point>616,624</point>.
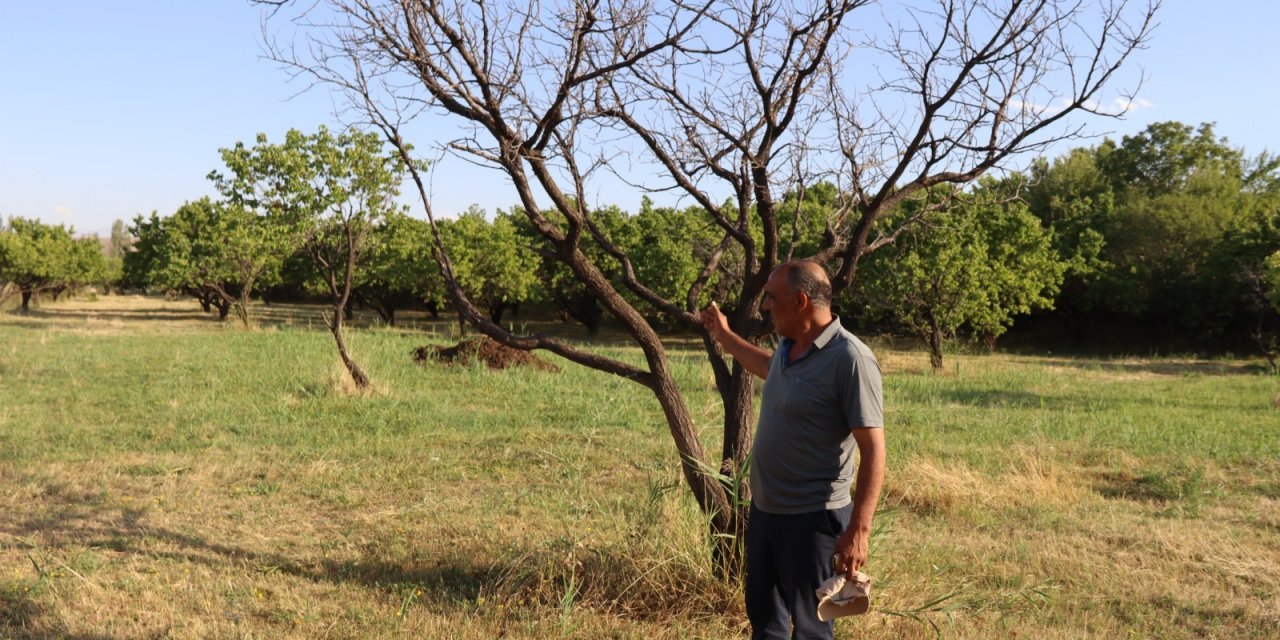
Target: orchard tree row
<point>1166,240</point>
<point>1170,233</point>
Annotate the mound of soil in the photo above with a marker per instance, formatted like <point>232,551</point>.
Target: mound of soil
<point>494,354</point>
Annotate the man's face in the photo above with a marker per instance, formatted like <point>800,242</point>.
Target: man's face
<point>781,304</point>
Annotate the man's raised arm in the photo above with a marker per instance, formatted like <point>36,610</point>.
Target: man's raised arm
<point>751,357</point>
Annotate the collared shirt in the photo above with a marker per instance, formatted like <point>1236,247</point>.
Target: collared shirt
<point>804,454</point>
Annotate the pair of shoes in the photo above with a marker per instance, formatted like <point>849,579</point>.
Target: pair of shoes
<point>839,596</point>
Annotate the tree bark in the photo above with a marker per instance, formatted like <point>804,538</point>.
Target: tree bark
<point>1268,343</point>
<point>358,375</point>
<point>242,312</point>
<point>385,309</point>
<point>582,309</point>
<point>707,491</point>
<point>241,306</point>
<point>739,414</point>
<point>935,340</point>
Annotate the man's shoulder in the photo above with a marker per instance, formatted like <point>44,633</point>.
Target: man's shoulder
<point>852,347</point>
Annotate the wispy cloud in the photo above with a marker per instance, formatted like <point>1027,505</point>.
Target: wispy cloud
<point>63,212</point>
<point>1118,106</point>
<point>1032,107</point>
<point>1134,104</point>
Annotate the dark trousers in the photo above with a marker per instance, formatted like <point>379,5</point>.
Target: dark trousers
<point>788,556</point>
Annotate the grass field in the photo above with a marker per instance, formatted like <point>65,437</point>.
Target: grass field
<point>164,475</point>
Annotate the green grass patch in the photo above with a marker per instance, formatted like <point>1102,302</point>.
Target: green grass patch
<point>162,474</point>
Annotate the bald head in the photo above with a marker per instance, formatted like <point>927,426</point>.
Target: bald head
<point>809,278</point>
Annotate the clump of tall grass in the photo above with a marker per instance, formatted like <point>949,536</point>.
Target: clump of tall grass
<point>656,566</point>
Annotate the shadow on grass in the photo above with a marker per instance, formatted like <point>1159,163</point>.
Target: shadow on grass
<point>18,608</point>
<point>1180,489</point>
<point>76,519</point>
<point>1161,367</point>
<point>990,398</point>
<point>1084,401</point>
<point>447,581</point>
<point>1207,619</point>
<point>300,315</point>
<point>155,314</point>
<point>609,577</point>
<point>22,617</point>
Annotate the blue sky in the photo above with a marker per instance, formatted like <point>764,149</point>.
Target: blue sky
<point>111,109</point>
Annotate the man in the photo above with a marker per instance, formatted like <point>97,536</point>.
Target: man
<point>822,396</point>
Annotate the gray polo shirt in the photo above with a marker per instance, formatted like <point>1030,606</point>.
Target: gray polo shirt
<point>804,452</point>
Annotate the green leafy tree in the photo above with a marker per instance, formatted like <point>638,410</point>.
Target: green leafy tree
<point>118,244</point>
<point>22,269</point>
<point>557,285</point>
<point>144,249</point>
<point>121,241</point>
<point>1249,254</point>
<point>1164,233</point>
<point>1268,341</point>
<point>491,262</point>
<point>176,254</point>
<point>1188,229</point>
<point>326,193</point>
<point>36,258</point>
<point>669,250</point>
<point>213,251</point>
<point>1271,276</point>
<point>399,271</point>
<point>90,266</point>
<point>8,255</point>
<point>980,262</point>
<point>1075,199</point>
<point>254,248</point>
<point>1167,156</point>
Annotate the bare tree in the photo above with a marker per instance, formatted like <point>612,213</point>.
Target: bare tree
<point>729,104</point>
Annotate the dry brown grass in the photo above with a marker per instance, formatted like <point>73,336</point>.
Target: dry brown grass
<point>565,534</point>
<point>212,547</point>
<point>1118,570</point>
<point>109,315</point>
<point>1033,480</point>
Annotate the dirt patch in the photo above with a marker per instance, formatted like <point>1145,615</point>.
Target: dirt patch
<point>492,353</point>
